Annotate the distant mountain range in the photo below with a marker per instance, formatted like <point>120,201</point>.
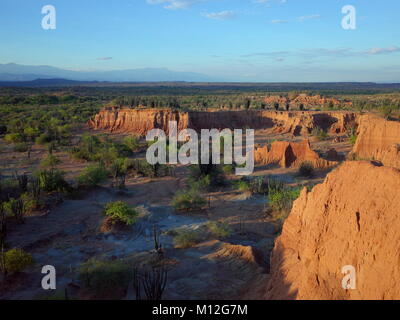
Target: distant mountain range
<point>16,72</point>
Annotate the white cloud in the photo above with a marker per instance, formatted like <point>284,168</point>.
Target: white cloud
<point>278,21</point>
<point>223,15</point>
<point>311,17</point>
<point>174,4</point>
<point>383,50</point>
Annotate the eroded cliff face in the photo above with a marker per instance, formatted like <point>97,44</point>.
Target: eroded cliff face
<point>378,139</point>
<point>353,218</point>
<point>139,121</point>
<point>290,154</point>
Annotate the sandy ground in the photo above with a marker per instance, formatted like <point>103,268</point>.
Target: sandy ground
<point>68,234</point>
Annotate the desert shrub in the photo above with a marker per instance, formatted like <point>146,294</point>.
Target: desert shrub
<point>258,185</point>
<point>15,260</point>
<point>353,139</point>
<point>17,208</point>
<point>3,129</point>
<point>13,138</point>
<point>228,169</point>
<point>104,277</point>
<point>119,211</point>
<point>215,174</point>
<point>132,143</point>
<point>50,161</point>
<point>319,133</point>
<point>188,200</point>
<point>22,181</point>
<point>21,147</point>
<point>29,202</point>
<point>386,111</point>
<point>187,238</point>
<point>118,170</point>
<point>282,199</point>
<point>52,180</point>
<point>306,169</point>
<point>93,175</point>
<point>242,185</point>
<point>43,139</point>
<point>219,230</point>
<point>142,167</point>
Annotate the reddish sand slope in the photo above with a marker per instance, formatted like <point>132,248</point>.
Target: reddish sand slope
<point>378,139</point>
<point>290,154</point>
<point>353,218</point>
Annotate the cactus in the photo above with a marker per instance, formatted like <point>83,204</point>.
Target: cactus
<point>156,238</point>
<point>154,283</point>
<point>22,181</point>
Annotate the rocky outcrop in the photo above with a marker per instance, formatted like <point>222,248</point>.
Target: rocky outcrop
<point>140,121</point>
<point>290,154</point>
<point>378,139</point>
<point>305,100</point>
<point>352,219</point>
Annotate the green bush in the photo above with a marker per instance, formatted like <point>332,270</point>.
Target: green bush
<point>187,238</point>
<point>211,173</point>
<point>21,147</point>
<point>93,175</point>
<point>219,230</point>
<point>306,169</point>
<point>282,199</point>
<point>132,143</point>
<point>50,161</point>
<point>13,138</point>
<point>17,208</point>
<point>16,260</point>
<point>105,278</point>
<point>258,185</point>
<point>43,139</point>
<point>188,200</point>
<point>119,211</point>
<point>319,133</point>
<point>52,180</point>
<point>228,169</point>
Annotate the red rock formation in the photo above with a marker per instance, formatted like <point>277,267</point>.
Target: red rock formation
<point>304,99</point>
<point>290,154</point>
<point>378,139</point>
<point>353,218</point>
<point>139,121</point>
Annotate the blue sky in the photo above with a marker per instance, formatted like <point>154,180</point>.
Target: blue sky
<point>234,40</point>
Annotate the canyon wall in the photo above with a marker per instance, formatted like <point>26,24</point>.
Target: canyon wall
<point>353,218</point>
<point>378,139</point>
<point>139,121</point>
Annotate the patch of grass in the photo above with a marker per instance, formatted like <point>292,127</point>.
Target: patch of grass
<point>188,200</point>
<point>93,175</point>
<point>319,133</point>
<point>119,211</point>
<point>187,238</point>
<point>15,260</point>
<point>50,161</point>
<point>219,230</point>
<point>52,180</point>
<point>105,278</point>
<point>306,169</point>
<point>258,185</point>
<point>21,147</point>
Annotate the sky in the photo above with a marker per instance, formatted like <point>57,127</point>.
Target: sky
<point>229,40</point>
